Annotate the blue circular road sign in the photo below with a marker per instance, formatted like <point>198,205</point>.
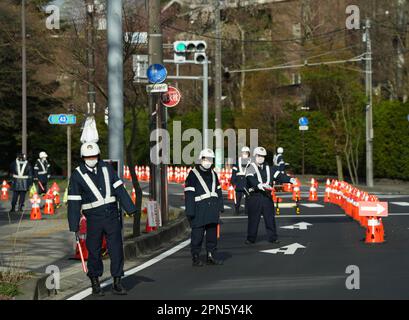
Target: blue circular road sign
<point>156,73</point>
<point>303,121</point>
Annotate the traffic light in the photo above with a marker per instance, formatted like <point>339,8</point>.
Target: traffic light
<point>184,49</point>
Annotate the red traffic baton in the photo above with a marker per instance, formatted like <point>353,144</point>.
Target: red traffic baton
<point>84,267</point>
<point>41,185</point>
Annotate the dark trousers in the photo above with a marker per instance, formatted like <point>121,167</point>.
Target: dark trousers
<point>198,235</point>
<point>22,197</point>
<point>239,196</point>
<point>111,227</point>
<point>258,205</point>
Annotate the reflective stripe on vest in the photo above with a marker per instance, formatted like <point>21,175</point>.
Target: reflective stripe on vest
<point>100,200</point>
<point>207,194</point>
<point>42,166</point>
<point>259,175</point>
<point>241,171</point>
<point>20,171</point>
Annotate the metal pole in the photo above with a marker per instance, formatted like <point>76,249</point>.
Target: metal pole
<point>68,152</point>
<point>24,79</point>
<point>369,120</point>
<point>303,153</point>
<point>91,51</point>
<point>115,83</point>
<point>218,84</point>
<point>205,103</point>
<point>159,191</point>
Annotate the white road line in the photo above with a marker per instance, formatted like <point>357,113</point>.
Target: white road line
<point>312,205</point>
<point>227,207</point>
<point>402,204</point>
<point>183,207</point>
<point>310,216</point>
<point>85,293</point>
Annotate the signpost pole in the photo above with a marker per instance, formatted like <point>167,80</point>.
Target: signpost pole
<point>303,152</point>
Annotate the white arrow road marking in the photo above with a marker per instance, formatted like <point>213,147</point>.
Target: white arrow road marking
<point>403,204</point>
<point>378,209</point>
<point>300,226</point>
<point>312,205</point>
<point>290,249</point>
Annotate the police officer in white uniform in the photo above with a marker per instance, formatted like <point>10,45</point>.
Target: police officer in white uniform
<point>42,172</point>
<point>203,202</point>
<point>238,179</point>
<point>94,190</point>
<point>260,177</point>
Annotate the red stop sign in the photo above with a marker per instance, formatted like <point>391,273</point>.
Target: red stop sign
<point>171,98</point>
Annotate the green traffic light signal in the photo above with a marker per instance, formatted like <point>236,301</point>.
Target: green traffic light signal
<point>180,47</point>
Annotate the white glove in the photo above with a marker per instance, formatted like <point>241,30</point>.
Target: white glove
<point>261,186</point>
<point>293,181</point>
<point>267,186</point>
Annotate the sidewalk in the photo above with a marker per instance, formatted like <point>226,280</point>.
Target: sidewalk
<point>32,246</point>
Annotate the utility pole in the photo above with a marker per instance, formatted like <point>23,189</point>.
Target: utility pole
<point>205,124</point>
<point>218,86</point>
<point>70,110</point>
<point>24,79</point>
<point>115,83</point>
<point>369,120</point>
<point>158,191</point>
<point>91,51</point>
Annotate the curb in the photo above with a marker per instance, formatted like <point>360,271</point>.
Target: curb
<point>35,288</point>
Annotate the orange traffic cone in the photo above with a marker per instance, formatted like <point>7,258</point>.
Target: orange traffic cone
<point>133,195</point>
<point>49,203</point>
<point>374,231</point>
<point>5,191</point>
<point>230,193</point>
<point>35,213</point>
<point>327,191</point>
<point>313,191</point>
<point>297,191</point>
<point>57,200</point>
<point>149,228</point>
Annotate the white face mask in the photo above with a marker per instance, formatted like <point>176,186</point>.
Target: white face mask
<point>259,160</point>
<point>244,155</point>
<point>206,164</point>
<point>43,158</point>
<point>91,163</point>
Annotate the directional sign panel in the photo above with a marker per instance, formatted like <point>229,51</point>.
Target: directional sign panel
<point>290,249</point>
<point>157,88</point>
<point>373,209</point>
<point>156,73</point>
<point>62,119</point>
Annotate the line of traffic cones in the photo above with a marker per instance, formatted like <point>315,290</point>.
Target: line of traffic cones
<point>348,197</point>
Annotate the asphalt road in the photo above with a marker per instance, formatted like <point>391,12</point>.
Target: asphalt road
<point>332,242</point>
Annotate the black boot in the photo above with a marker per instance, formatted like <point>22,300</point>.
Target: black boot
<point>96,287</point>
<point>13,210</point>
<point>117,288</point>
<point>236,211</point>
<point>212,261</point>
<point>196,261</point>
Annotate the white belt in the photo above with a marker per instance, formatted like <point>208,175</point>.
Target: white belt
<point>206,196</point>
<point>42,172</point>
<point>98,203</point>
<point>19,177</point>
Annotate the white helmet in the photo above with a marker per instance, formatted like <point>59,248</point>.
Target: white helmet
<point>89,149</point>
<point>245,149</point>
<point>208,153</point>
<point>280,150</point>
<point>42,155</point>
<point>259,151</point>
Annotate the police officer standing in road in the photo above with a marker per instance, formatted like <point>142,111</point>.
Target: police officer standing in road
<point>42,172</point>
<point>278,160</point>
<point>203,202</point>
<point>22,177</point>
<point>260,178</point>
<point>238,179</point>
<point>95,189</point>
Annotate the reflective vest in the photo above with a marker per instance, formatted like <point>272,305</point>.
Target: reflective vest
<point>208,194</point>
<point>20,170</point>
<point>241,171</point>
<point>42,166</point>
<point>100,200</point>
<point>260,180</point>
